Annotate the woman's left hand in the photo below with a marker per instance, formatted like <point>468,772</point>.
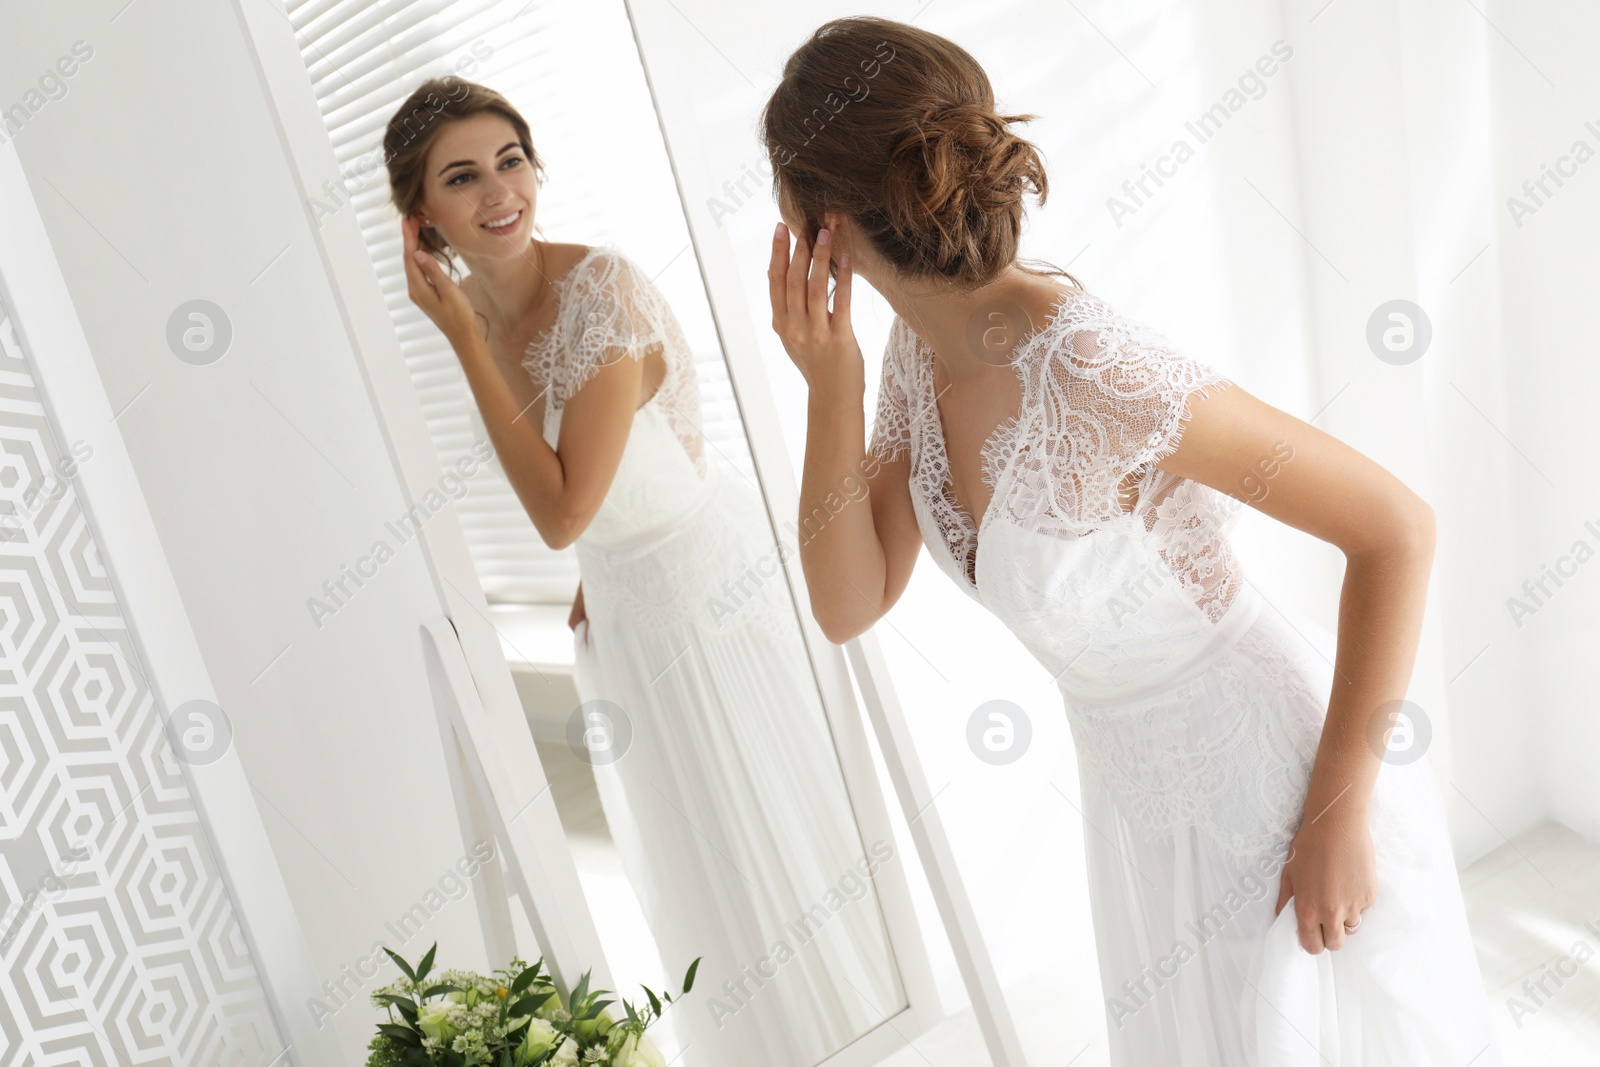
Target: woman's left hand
<point>1333,877</point>
<point>433,290</point>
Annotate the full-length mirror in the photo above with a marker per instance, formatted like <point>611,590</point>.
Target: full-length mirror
<point>556,317</point>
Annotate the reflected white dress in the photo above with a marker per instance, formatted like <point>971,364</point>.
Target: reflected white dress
<point>1195,709</point>
<point>727,805</point>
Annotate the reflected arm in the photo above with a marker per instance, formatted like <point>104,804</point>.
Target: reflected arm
<point>560,488</point>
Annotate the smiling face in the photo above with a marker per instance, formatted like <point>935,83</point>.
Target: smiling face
<point>479,188</point>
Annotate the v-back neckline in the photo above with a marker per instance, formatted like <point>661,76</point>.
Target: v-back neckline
<point>989,471</point>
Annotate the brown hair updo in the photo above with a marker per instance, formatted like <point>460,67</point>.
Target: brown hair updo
<point>895,127</point>
<point>416,125</point>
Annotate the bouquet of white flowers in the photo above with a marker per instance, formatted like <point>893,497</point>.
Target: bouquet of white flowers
<point>513,1018</point>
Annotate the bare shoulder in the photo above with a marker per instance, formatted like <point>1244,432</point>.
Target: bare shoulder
<point>562,256</point>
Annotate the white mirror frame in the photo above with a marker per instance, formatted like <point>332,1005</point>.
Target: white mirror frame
<point>653,30</point>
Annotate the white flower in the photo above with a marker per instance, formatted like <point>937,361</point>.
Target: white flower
<point>638,1051</point>
<point>539,1039</point>
<point>432,1019</point>
<point>566,1055</point>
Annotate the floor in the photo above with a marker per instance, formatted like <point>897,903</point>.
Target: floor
<point>1534,907</point>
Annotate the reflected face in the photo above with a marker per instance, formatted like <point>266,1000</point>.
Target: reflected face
<point>480,188</point>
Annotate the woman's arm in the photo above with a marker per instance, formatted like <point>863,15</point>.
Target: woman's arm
<point>1386,533</point>
<point>857,560</point>
<point>560,488</point>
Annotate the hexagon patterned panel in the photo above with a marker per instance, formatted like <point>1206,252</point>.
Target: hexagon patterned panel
<point>118,940</point>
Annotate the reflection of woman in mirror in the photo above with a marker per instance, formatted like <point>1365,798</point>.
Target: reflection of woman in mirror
<point>1028,435</point>
<point>721,787</point>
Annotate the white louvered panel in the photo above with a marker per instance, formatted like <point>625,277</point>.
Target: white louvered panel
<point>573,71</point>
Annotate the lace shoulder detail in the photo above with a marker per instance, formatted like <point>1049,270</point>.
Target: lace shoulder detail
<point>891,423</point>
<point>610,309</point>
<point>1103,397</point>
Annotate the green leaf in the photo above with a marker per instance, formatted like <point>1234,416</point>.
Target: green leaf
<point>688,978</point>
<point>524,980</point>
<point>442,987</point>
<point>427,962</point>
<point>403,1034</point>
<point>655,1004</point>
<point>405,967</point>
<point>583,987</point>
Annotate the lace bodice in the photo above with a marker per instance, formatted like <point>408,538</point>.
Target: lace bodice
<point>609,309</point>
<point>1140,615</point>
<point>1056,554</point>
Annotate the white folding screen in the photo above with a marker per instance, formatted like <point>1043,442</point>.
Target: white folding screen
<point>142,915</point>
<point>119,940</point>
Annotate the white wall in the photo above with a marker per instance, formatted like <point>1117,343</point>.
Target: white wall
<point>162,178</point>
<point>1543,93</point>
<point>1372,167</point>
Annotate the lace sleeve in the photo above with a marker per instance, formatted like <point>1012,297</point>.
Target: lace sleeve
<point>610,310</point>
<point>1113,399</point>
<point>891,424</point>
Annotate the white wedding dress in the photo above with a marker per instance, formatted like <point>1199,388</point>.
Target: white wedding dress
<point>1195,708</point>
<point>728,806</point>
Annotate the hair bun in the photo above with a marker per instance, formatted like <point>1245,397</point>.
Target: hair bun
<point>919,159</point>
<point>956,169</point>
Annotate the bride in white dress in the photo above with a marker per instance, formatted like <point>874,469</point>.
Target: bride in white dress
<point>1266,887</point>
<point>722,792</point>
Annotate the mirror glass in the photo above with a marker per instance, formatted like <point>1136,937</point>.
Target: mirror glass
<point>679,721</point>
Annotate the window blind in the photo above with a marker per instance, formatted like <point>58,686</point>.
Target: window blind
<point>573,71</point>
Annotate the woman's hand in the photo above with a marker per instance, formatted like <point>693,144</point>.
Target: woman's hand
<point>821,343</point>
<point>577,615</point>
<point>1332,875</point>
<point>433,290</point>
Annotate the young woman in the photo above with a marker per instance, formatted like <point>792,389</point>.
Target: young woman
<point>1235,818</point>
<point>726,803</point>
